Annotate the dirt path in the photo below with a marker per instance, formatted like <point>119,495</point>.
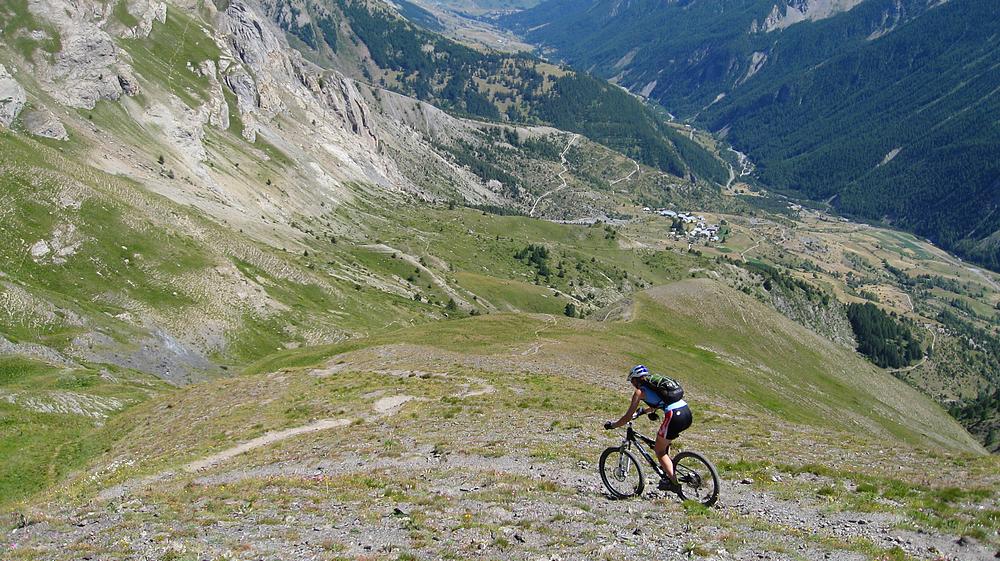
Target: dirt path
<point>382,407</point>
<point>629,176</point>
<point>743,254</point>
<point>415,262</point>
<point>539,340</point>
<point>565,166</point>
<point>267,439</point>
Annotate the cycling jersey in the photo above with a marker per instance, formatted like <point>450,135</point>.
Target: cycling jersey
<point>653,399</point>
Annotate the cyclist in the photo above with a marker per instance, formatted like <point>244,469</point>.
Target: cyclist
<point>676,418</point>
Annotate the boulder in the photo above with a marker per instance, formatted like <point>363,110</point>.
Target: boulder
<point>45,124</point>
<point>12,97</point>
<point>128,83</point>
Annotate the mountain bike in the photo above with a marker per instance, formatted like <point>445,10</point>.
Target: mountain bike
<point>622,474</point>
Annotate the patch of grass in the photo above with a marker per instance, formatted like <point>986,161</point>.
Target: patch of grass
<point>17,21</point>
<point>512,295</point>
<point>122,14</point>
<point>694,508</point>
<point>39,447</point>
<point>164,56</point>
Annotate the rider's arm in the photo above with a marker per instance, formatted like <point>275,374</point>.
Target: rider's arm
<point>636,398</point>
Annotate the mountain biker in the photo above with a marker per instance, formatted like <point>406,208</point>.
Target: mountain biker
<point>676,418</point>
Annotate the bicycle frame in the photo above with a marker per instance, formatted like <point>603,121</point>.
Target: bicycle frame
<point>690,479</point>
<point>634,437</point>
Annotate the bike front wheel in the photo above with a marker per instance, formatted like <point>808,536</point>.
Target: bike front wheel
<point>697,477</point>
<point>621,473</point>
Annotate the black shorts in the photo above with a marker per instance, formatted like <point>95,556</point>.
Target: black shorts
<point>674,422</point>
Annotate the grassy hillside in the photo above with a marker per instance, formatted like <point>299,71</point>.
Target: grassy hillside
<point>50,418</point>
<point>425,470</point>
<point>802,258</point>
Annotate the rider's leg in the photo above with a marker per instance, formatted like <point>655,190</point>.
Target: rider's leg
<point>662,449</point>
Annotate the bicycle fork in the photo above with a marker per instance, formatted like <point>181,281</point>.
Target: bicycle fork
<point>624,461</point>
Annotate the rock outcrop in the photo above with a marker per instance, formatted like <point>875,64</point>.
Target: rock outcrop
<point>341,95</point>
<point>245,89</point>
<point>85,69</point>
<point>218,108</point>
<point>794,11</point>
<point>44,123</point>
<point>12,97</point>
<point>128,82</point>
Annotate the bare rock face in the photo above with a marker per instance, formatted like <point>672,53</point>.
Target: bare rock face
<point>157,11</point>
<point>12,97</point>
<point>791,12</point>
<point>85,69</point>
<point>182,127</point>
<point>217,106</point>
<point>246,101</point>
<point>251,39</point>
<point>45,124</point>
<point>256,46</point>
<point>342,96</point>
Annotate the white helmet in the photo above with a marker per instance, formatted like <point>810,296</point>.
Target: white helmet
<point>638,371</point>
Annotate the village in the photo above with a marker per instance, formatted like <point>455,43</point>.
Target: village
<point>691,226</point>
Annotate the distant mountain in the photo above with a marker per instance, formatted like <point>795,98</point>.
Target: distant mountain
<point>480,7</point>
<point>396,48</point>
<point>887,108</point>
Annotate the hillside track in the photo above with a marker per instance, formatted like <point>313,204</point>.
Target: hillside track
<point>384,406</point>
<point>565,169</point>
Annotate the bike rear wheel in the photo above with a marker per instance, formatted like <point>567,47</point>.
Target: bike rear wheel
<point>697,477</point>
<point>621,473</point>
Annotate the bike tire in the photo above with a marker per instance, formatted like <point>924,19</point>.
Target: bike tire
<point>691,468</point>
<point>608,472</point>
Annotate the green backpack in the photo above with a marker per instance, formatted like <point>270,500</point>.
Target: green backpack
<point>669,390</point>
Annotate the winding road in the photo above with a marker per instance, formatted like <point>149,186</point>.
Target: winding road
<point>743,254</point>
<point>629,176</point>
<point>565,168</point>
<point>746,167</point>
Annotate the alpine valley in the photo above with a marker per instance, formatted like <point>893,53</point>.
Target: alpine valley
<point>885,109</point>
<point>354,279</point>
